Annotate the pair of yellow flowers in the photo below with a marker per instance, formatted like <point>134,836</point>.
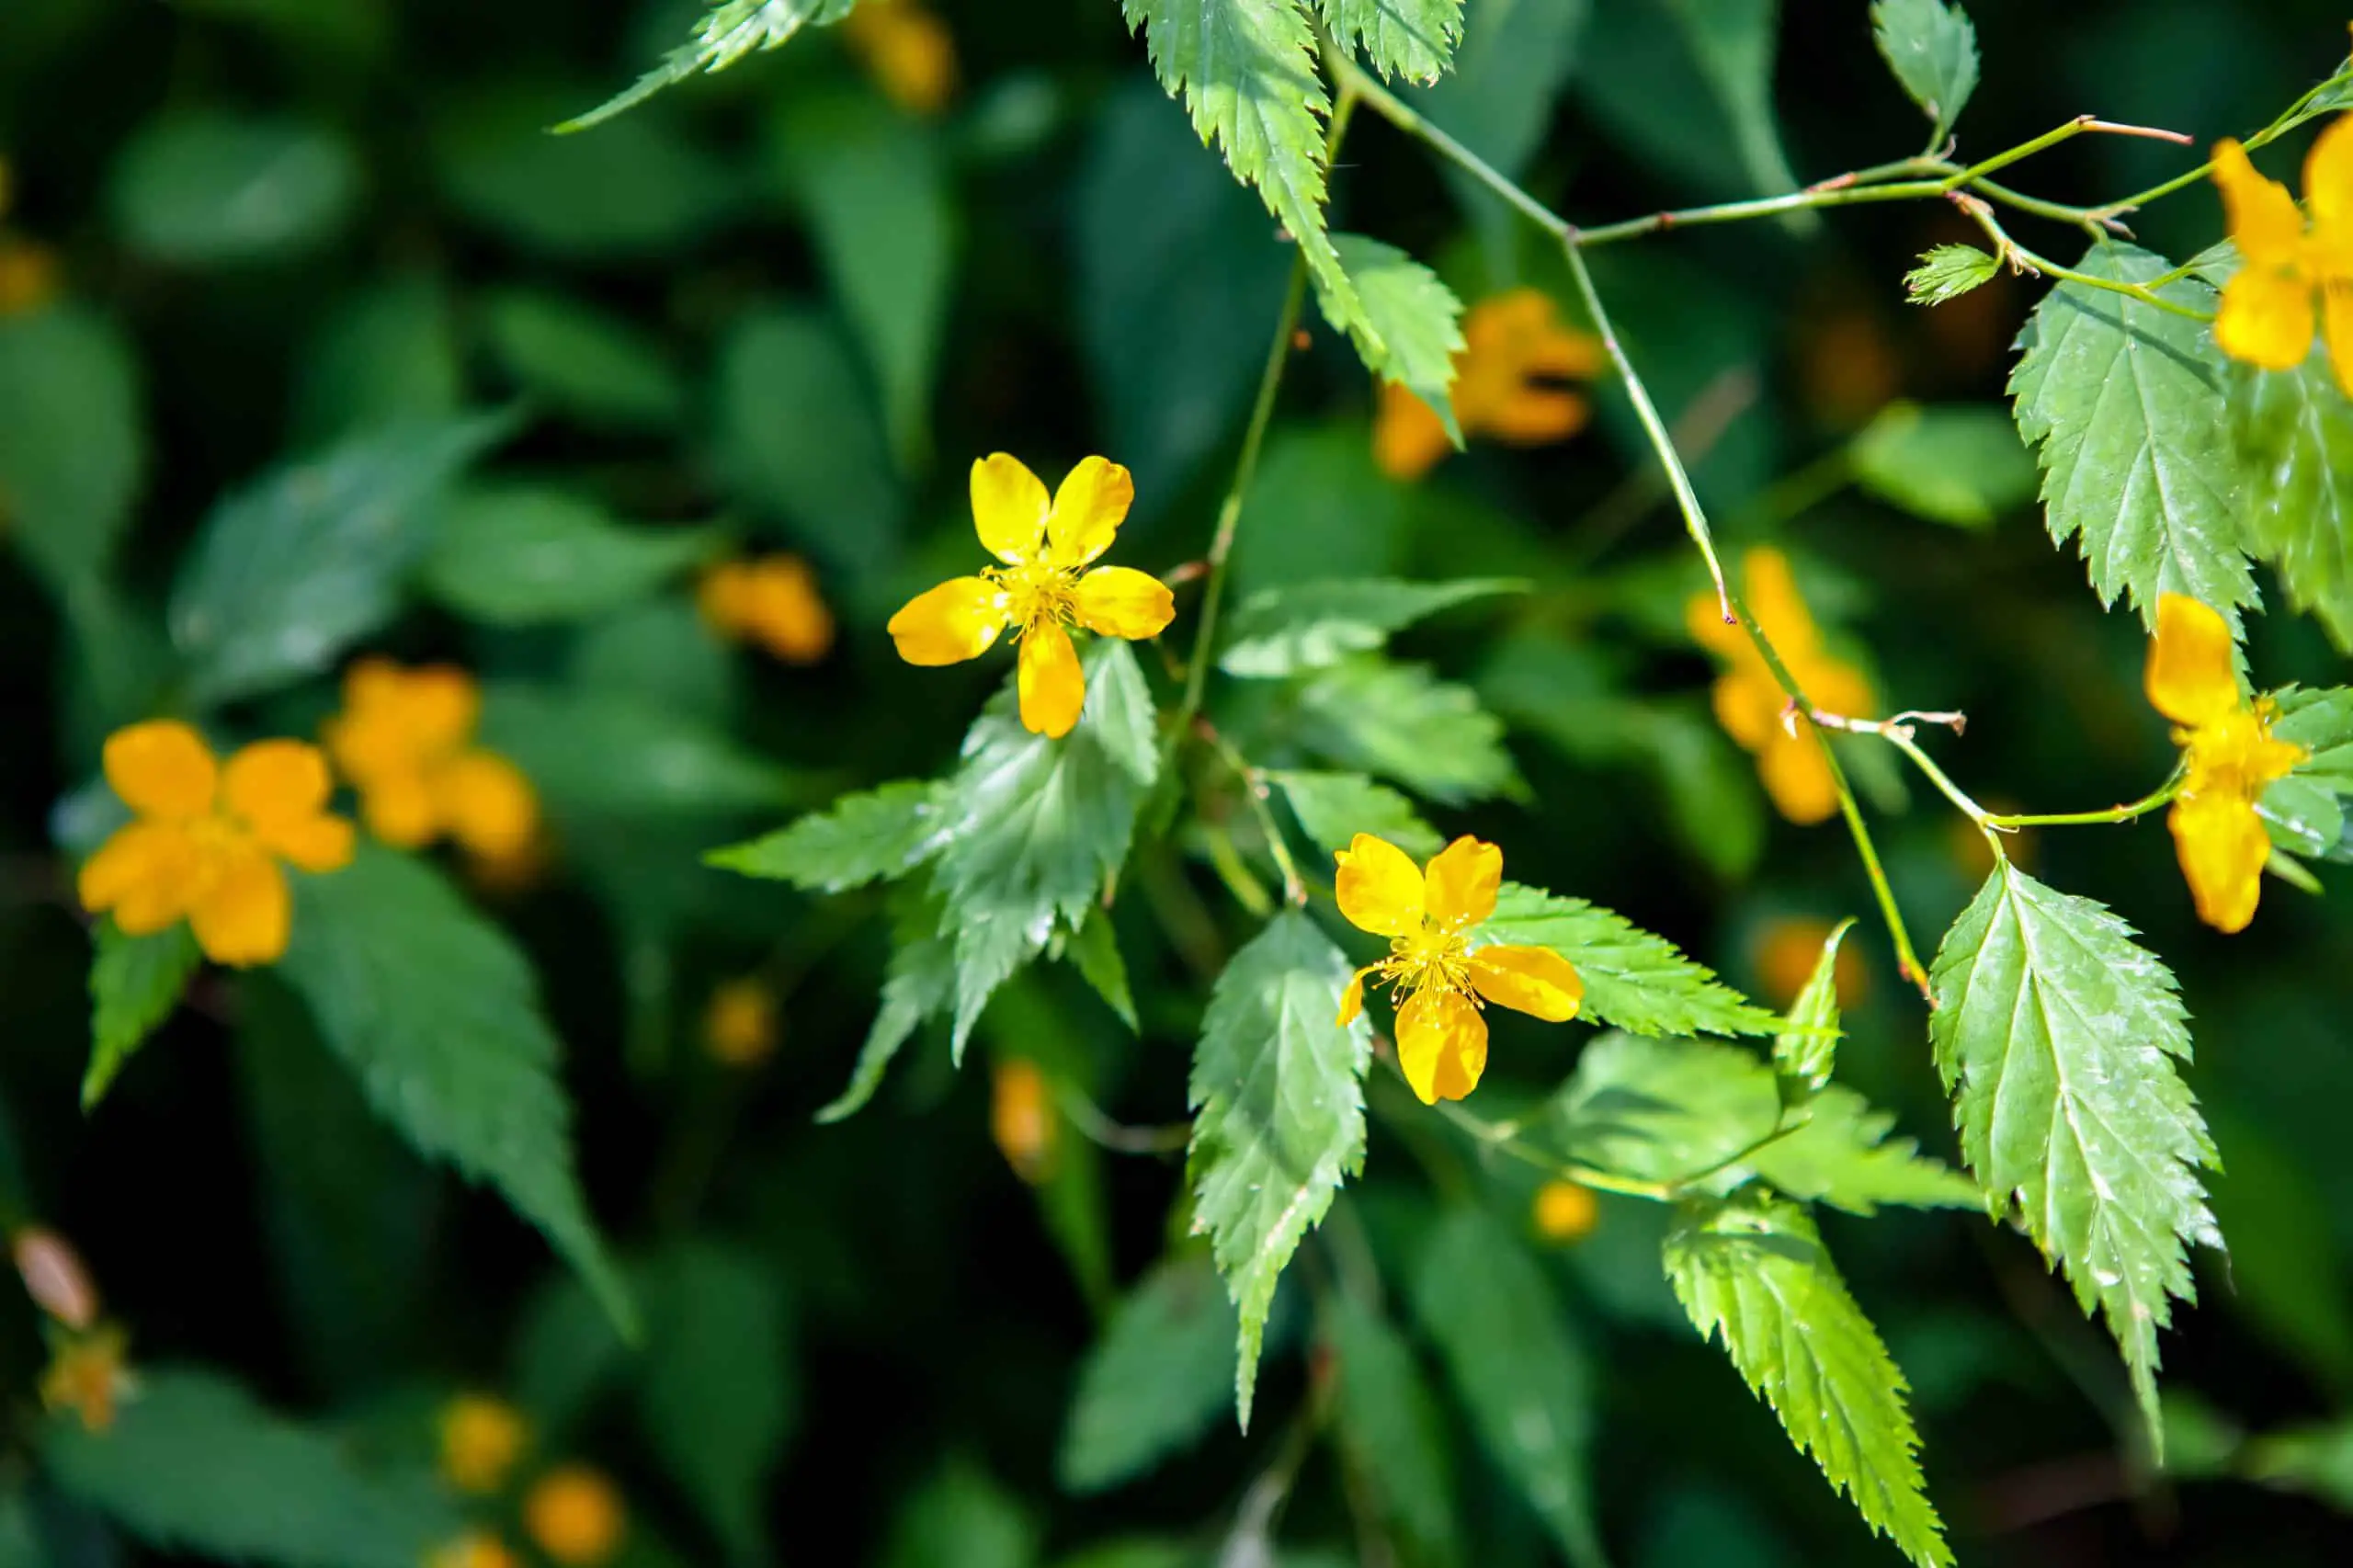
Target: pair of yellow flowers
<point>208,842</point>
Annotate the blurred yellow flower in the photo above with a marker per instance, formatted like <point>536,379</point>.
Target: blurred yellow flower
<point>1846,364</point>
<point>89,1374</point>
<point>576,1516</point>
<point>1430,916</point>
<point>2230,756</point>
<point>55,1276</point>
<point>477,1548</point>
<point>1022,1119</point>
<point>1513,347</point>
<point>908,52</point>
<point>480,1439</point>
<point>27,269</point>
<point>739,1026</point>
<point>1750,704</point>
<point>1042,588</point>
<point>207,840</point>
<point>1565,1211</point>
<point>1789,948</point>
<point>2267,315</point>
<point>404,740</point>
<point>772,601</point>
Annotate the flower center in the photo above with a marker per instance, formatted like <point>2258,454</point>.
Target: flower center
<point>1037,593</point>
<point>1434,958</point>
<point>2237,755</point>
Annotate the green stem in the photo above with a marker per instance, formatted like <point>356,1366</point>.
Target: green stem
<point>1255,788</point>
<point>2010,250</point>
<point>2295,115</point>
<point>2162,796</point>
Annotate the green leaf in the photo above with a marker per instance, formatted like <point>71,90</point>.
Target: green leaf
<point>799,441</point>
<point>1039,823</point>
<point>2320,720</point>
<point>1932,48</point>
<point>440,1016</point>
<point>1961,465</point>
<point>877,836</point>
<point>882,216</point>
<point>1094,948</point>
<point>207,188</point>
<point>2294,435</point>
<point>921,981</point>
<point>1311,626</point>
<point>1156,1381</point>
<point>1684,1111</point>
<point>2315,1459</point>
<point>389,355</point>
<point>1408,326</point>
<point>72,442</point>
<point>135,982</point>
<point>195,1466</point>
<point>594,758</point>
<point>1632,978</point>
<point>1278,1092</point>
<point>1947,272</point>
<point>1391,1428</point>
<point>961,1518</point>
<point>1341,516</point>
<point>733,30</point>
<point>523,556</point>
<point>2056,1034</point>
<point>1333,808</point>
<point>1807,1044</point>
<point>716,1387</point>
<point>640,190</point>
<point>1752,1272</point>
<point>1414,39</point>
<point>599,368</point>
<point>1247,71</point>
<point>1402,722</point>
<point>2125,402</point>
<point>289,572</point>
<point>1517,1368</point>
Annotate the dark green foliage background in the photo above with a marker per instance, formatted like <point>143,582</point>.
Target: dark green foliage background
<point>1111,290</point>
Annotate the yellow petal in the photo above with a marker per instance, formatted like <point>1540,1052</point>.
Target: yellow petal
<point>2262,216</point>
<point>785,611</point>
<point>1774,600</point>
<point>161,769</point>
<point>1352,999</point>
<point>954,621</point>
<point>143,873</point>
<point>1461,881</point>
<point>272,784</point>
<point>489,805</point>
<point>1119,601</point>
<point>1441,1044</point>
<point>245,916</point>
<point>1535,415</point>
<point>1704,617</point>
<point>401,810</point>
<point>723,597</point>
<point>1535,980</point>
<point>1408,437</point>
<point>1008,509</point>
<point>2337,331</point>
<point>2223,849</point>
<point>1053,688</point>
<point>1796,778</point>
<point>1088,510</point>
<point>1378,887</point>
<point>1749,704</point>
<point>2189,676</point>
<point>2265,320</point>
<point>2328,175</point>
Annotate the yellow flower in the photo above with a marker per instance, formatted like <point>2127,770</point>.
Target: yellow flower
<point>907,51</point>
<point>1021,1118</point>
<point>1789,948</point>
<point>772,601</point>
<point>88,1375</point>
<point>2230,757</point>
<point>1513,346</point>
<point>1565,1211</point>
<point>480,1439</point>
<point>739,1026</point>
<point>1749,702</point>
<point>476,1549</point>
<point>576,1516</point>
<point>2267,315</point>
<point>404,740</point>
<point>1042,588</point>
<point>207,840</point>
<point>55,1276</point>
<point>1429,917</point>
